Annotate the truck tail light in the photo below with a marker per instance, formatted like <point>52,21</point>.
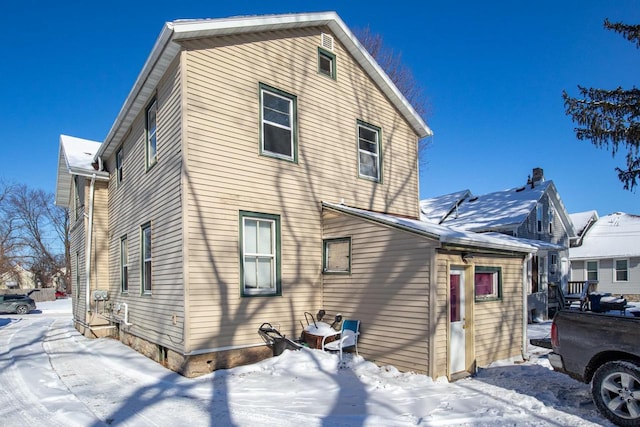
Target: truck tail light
<point>554,335</point>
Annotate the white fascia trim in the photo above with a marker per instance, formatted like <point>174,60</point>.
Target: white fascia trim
<point>166,49</point>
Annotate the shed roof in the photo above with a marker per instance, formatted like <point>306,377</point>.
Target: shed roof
<point>444,234</point>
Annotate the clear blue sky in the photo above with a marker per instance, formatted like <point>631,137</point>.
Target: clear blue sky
<point>493,71</point>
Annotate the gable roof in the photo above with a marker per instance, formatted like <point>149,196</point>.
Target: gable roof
<point>582,220</point>
<point>500,210</point>
<point>445,235</point>
<point>503,210</point>
<point>75,157</point>
<point>436,209</point>
<point>612,236</point>
<point>167,48</point>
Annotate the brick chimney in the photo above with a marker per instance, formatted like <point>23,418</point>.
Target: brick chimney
<point>537,177</point>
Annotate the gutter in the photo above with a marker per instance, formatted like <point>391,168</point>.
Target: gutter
<point>525,311</point>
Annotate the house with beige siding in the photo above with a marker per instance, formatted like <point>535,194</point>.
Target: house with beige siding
<point>219,201</point>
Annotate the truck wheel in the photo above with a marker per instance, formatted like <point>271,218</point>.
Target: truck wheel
<point>616,392</point>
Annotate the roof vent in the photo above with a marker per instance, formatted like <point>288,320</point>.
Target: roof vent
<point>326,41</point>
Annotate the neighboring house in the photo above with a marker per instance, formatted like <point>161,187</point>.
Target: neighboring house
<point>210,208</point>
<point>608,252</point>
<point>18,278</point>
<point>533,212</point>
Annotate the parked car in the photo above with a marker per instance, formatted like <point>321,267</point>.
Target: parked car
<point>603,350</point>
<point>19,304</point>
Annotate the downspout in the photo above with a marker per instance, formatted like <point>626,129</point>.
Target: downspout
<point>87,262</point>
<point>525,308</point>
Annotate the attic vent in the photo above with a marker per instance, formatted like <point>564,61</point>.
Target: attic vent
<point>326,41</point>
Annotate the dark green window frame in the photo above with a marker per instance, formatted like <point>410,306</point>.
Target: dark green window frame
<point>369,151</point>
<point>328,261</point>
<point>151,134</point>
<point>276,122</point>
<point>496,276</point>
<point>251,255</point>
<point>146,259</point>
<point>124,265</point>
<point>119,159</point>
<point>326,63</point>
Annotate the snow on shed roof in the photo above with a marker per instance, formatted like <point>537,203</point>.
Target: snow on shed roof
<point>75,157</point>
<point>444,234</point>
<point>613,236</point>
<point>498,210</point>
<point>436,209</point>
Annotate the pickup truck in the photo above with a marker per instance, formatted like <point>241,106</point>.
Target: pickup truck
<point>604,350</point>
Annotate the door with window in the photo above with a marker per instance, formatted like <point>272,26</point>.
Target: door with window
<point>457,338</point>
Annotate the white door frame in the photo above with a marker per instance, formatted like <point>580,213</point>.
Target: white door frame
<point>457,321</point>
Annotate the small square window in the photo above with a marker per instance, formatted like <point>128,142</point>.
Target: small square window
<point>326,63</point>
<point>337,255</point>
<point>488,283</point>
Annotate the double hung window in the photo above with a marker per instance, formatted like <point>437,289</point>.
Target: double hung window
<point>278,123</point>
<point>151,134</point>
<point>260,254</point>
<point>368,151</point>
<point>146,258</point>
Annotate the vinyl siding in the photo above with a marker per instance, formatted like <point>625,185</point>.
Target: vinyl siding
<point>151,196</point>
<point>606,275</point>
<point>387,290</point>
<point>225,173</point>
<point>494,328</point>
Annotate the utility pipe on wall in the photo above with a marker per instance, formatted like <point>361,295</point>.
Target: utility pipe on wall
<point>87,260</point>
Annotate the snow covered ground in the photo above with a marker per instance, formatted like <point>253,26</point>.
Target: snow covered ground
<point>52,376</point>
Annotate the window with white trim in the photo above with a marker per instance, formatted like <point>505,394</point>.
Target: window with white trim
<point>278,131</point>
<point>151,134</point>
<point>146,258</point>
<point>592,270</point>
<point>488,283</point>
<point>539,217</point>
<point>119,158</point>
<point>260,254</point>
<point>368,151</point>
<point>622,270</point>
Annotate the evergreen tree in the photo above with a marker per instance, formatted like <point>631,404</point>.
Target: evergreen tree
<point>611,118</point>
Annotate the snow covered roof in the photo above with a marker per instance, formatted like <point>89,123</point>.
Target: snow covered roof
<point>75,157</point>
<point>613,236</point>
<point>581,220</point>
<point>167,48</point>
<point>436,209</point>
<point>499,210</point>
<point>444,234</point>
